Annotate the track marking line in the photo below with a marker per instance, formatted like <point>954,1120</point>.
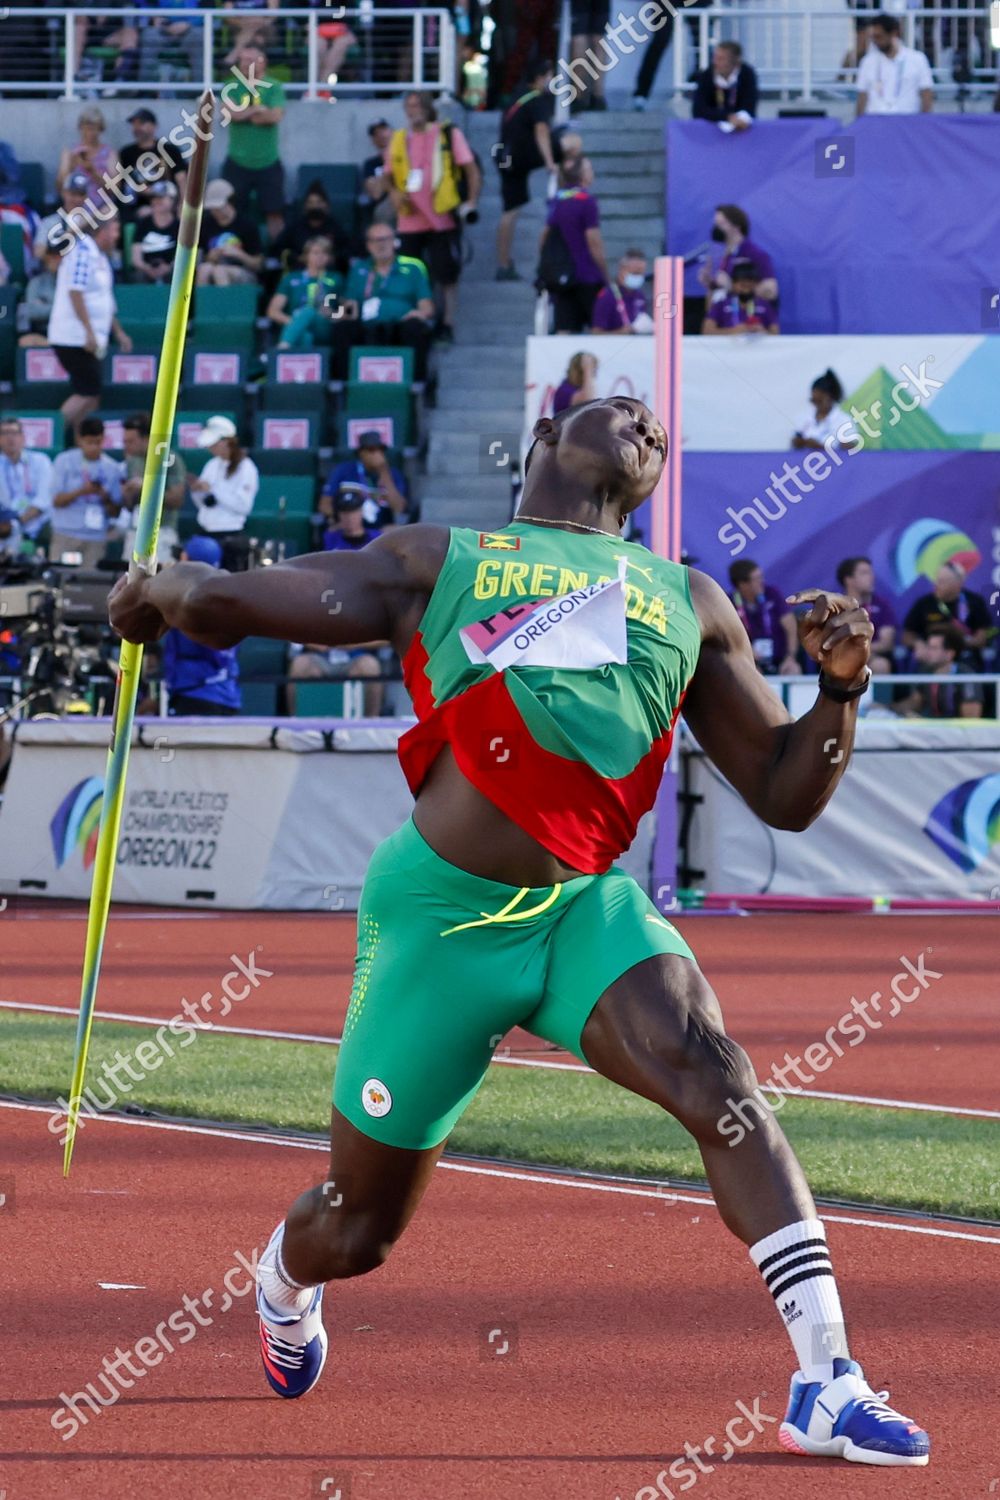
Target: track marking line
<point>872,1100</point>
<point>583,1184</point>
<point>120,1286</point>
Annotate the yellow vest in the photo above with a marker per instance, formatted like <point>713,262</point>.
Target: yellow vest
<point>444,180</point>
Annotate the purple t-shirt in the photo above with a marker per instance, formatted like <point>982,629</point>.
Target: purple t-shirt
<point>730,312</point>
<point>573,211</point>
<point>762,622</point>
<point>747,250</point>
<point>880,612</point>
<point>607,312</point>
<point>562,396</point>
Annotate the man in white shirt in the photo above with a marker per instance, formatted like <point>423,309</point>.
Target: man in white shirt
<point>893,79</point>
<point>25,480</point>
<point>84,317</point>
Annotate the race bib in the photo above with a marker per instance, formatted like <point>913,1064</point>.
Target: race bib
<point>581,629</point>
<point>93,517</point>
<point>763,649</point>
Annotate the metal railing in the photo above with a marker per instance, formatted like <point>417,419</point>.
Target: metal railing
<point>800,53</point>
<point>798,693</point>
<point>72,54</point>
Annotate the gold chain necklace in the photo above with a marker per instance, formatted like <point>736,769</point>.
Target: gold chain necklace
<point>542,521</point>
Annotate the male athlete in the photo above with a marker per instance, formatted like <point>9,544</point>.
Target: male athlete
<point>547,664</point>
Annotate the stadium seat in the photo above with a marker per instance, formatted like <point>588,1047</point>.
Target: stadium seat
<point>12,249</point>
<point>285,463</point>
<point>8,333</point>
<point>226,304</point>
<point>287,431</point>
<point>260,657</point>
<point>33,178</point>
<point>298,382</point>
<point>376,366</point>
<point>188,424</point>
<point>375,404</point>
<point>130,379</point>
<point>40,380</point>
<point>340,179</point>
<point>296,532</point>
<point>319,700</point>
<point>142,310</point>
<point>43,429</point>
<point>299,492</point>
<point>214,378</point>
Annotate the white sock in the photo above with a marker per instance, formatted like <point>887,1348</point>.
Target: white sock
<point>283,1292</point>
<point>797,1270</point>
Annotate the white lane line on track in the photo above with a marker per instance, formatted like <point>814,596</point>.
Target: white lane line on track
<point>511,1062</point>
<point>583,1184</point>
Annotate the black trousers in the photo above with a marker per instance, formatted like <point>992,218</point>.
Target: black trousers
<point>573,305</point>
<point>409,333</point>
<point>655,47</point>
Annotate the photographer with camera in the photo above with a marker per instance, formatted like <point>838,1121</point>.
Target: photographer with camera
<point>86,497</point>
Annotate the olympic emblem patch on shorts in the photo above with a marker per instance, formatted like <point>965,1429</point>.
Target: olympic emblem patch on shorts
<point>376,1098</point>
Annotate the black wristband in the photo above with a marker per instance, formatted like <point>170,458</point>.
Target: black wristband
<point>843,695</point>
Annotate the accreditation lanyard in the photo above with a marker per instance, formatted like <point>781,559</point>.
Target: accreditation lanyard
<point>24,485</point>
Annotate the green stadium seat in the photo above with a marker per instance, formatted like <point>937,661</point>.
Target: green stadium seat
<point>285,463</point>
<point>8,333</point>
<point>295,531</point>
<point>377,365</point>
<point>299,492</point>
<point>286,430</point>
<point>340,179</point>
<point>319,700</point>
<point>216,377</point>
<point>298,381</point>
<point>130,379</point>
<point>43,429</point>
<point>388,408</point>
<point>260,657</point>
<point>142,309</point>
<point>226,304</point>
<point>12,249</point>
<point>40,380</point>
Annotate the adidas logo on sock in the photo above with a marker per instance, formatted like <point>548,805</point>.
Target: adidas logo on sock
<point>790,1312</point>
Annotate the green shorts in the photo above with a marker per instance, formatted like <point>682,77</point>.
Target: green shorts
<point>448,962</point>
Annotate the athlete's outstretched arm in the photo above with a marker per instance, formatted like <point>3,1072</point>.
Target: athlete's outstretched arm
<point>784,769</point>
<point>330,598</point>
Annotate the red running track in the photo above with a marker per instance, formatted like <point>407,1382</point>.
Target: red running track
<point>632,1325</point>
<point>783,980</point>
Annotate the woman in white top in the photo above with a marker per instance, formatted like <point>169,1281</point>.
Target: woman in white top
<point>827,422</point>
<point>225,491</point>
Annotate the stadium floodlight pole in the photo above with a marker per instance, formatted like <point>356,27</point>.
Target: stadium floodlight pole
<point>154,482</point>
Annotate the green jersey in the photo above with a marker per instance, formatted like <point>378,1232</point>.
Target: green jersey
<point>554,664</point>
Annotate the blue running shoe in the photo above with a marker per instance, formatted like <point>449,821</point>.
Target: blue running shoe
<point>845,1418</point>
<point>292,1344</point>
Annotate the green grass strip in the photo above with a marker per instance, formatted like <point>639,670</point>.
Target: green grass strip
<point>905,1158</point>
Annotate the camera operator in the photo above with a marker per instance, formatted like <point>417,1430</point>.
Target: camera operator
<point>86,496</point>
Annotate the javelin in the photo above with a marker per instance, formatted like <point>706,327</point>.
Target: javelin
<point>154,481</point>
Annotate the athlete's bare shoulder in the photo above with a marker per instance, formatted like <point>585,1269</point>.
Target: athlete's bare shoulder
<point>714,609</point>
<point>419,551</point>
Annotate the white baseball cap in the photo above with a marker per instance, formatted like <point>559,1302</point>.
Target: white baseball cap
<point>214,430</point>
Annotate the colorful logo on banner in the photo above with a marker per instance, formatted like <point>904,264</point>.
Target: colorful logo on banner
<point>926,544</point>
<point>76,820</point>
<point>965,824</point>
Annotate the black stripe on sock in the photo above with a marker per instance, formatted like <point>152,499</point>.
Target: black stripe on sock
<point>771,1260</point>
<point>819,1256</point>
<point>786,1286</point>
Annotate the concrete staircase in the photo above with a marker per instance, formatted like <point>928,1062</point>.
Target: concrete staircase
<point>476,427</point>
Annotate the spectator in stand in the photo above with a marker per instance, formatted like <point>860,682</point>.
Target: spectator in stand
<point>253,163</point>
<point>25,482</point>
<point>386,494</point>
<point>169,164</point>
<point>893,79</point>
<point>731,227</point>
<point>300,308</point>
<point>90,157</point>
<point>819,427</point>
<point>588,20</point>
<point>314,218</point>
<point>53,227</point>
<point>726,93</point>
<point>387,300</point>
<point>35,308</point>
<point>766,618</point>
<point>200,680</point>
<point>230,241</point>
<point>856,577</point>
<point>951,603</point>
<point>337,39</point>
<point>942,654</point>
<point>622,307</point>
<point>155,243</point>
<point>573,213</point>
<point>376,202</point>
<point>526,144</point>
<point>135,438</point>
<point>580,385</point>
<point>428,163</point>
<point>740,310</point>
<point>108,32</point>
<point>84,318</point>
<point>86,496</point>
<point>161,33</point>
<point>10,535</point>
<point>657,43</point>
<point>225,491</point>
<point>348,532</point>
<point>247,26</point>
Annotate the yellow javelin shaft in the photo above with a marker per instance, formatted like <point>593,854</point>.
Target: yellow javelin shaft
<point>158,461</point>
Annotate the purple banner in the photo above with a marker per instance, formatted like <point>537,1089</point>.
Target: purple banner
<point>908,512</point>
